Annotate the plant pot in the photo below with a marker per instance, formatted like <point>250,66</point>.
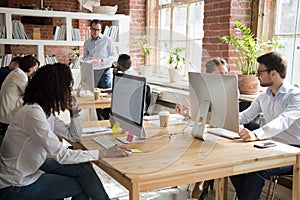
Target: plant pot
<point>175,75</point>
<point>146,71</point>
<point>248,84</point>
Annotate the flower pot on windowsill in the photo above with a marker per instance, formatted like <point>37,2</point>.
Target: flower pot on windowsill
<point>248,84</point>
<point>175,75</point>
<point>146,71</point>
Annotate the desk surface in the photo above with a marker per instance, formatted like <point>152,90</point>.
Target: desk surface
<point>90,102</point>
<point>182,159</point>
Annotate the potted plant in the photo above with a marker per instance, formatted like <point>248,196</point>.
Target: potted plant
<point>143,43</point>
<point>176,61</point>
<point>248,48</point>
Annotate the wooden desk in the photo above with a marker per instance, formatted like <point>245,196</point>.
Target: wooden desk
<point>182,159</point>
<point>90,103</point>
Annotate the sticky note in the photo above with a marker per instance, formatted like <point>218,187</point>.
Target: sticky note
<point>130,137</point>
<point>136,151</point>
<point>115,127</point>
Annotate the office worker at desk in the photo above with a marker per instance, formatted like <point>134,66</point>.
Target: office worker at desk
<point>280,105</point>
<point>34,164</point>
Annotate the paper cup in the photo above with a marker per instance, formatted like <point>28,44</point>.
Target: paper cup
<point>97,93</point>
<point>164,118</point>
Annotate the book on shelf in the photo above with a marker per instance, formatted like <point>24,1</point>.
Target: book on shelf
<point>51,59</point>
<point>2,32</point>
<point>60,32</point>
<point>76,34</point>
<point>111,32</point>
<point>18,30</point>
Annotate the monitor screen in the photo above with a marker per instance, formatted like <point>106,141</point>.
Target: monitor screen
<point>222,93</point>
<point>128,99</point>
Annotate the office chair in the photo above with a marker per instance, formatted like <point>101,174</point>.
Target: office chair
<point>255,123</point>
<point>148,99</point>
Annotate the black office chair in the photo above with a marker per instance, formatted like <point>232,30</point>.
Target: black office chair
<point>255,123</point>
<point>147,99</point>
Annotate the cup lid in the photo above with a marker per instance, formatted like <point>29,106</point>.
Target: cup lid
<point>164,113</point>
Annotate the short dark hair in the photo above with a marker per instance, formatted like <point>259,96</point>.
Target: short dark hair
<point>124,60</point>
<point>50,87</point>
<point>274,61</point>
<point>27,62</point>
<point>95,21</point>
<point>16,59</point>
<point>211,64</point>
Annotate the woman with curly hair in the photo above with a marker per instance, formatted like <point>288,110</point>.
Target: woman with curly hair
<point>34,164</point>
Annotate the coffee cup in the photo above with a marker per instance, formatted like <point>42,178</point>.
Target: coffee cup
<point>97,93</point>
<point>164,118</point>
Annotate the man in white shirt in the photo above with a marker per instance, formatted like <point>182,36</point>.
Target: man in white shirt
<point>280,105</point>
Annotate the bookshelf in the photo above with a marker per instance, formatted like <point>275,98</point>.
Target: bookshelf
<point>7,16</point>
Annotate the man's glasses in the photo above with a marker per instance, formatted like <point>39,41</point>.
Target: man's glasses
<point>263,70</point>
<point>94,30</point>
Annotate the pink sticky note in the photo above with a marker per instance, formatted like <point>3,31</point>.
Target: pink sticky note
<point>130,137</point>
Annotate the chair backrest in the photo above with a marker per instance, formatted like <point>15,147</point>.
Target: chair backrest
<point>148,98</point>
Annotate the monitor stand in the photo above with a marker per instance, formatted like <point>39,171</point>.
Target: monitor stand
<point>201,119</point>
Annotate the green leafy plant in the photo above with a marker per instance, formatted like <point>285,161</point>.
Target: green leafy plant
<point>248,48</point>
<point>143,43</point>
<point>176,60</point>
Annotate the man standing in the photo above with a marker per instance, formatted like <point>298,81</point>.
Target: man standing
<point>280,105</point>
<point>101,52</point>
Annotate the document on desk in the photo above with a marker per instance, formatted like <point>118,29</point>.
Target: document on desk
<point>95,130</point>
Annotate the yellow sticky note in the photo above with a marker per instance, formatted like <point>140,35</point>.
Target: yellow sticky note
<point>136,151</point>
<point>115,127</point>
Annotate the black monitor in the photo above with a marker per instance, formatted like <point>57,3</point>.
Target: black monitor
<point>127,103</point>
<point>214,100</point>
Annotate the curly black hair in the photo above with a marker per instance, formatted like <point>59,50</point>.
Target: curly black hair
<point>50,87</point>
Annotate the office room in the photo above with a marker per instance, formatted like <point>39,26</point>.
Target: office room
<point>169,41</point>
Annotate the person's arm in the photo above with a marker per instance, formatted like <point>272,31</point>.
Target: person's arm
<point>85,51</point>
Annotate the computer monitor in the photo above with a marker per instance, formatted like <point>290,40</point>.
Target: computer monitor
<point>127,104</point>
<point>217,95</point>
<point>86,87</point>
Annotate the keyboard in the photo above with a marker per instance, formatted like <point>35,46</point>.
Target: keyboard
<point>224,133</point>
<point>107,141</point>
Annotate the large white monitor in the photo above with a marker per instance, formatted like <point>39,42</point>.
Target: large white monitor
<point>217,95</point>
<point>127,103</point>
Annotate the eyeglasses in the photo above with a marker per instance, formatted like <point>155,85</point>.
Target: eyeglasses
<point>93,29</point>
<point>263,70</point>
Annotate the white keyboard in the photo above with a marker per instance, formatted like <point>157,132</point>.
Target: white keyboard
<point>107,141</point>
<point>224,133</point>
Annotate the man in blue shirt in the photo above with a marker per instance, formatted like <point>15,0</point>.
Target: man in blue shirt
<point>280,105</point>
<point>4,71</point>
<point>101,52</point>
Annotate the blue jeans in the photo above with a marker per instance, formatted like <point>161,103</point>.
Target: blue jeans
<point>78,181</point>
<point>249,186</point>
<point>102,78</point>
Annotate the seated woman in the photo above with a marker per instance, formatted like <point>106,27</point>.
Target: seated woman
<point>34,164</point>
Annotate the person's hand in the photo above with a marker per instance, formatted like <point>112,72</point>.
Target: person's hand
<point>247,135</point>
<point>115,151</point>
<point>183,110</point>
<point>73,107</point>
<point>96,62</point>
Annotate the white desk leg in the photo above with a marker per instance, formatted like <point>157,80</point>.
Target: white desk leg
<point>296,180</point>
<point>221,188</point>
<point>134,192</point>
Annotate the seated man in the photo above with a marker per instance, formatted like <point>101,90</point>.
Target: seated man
<point>4,71</point>
<point>280,105</point>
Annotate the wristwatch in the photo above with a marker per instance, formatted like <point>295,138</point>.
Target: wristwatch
<point>101,60</point>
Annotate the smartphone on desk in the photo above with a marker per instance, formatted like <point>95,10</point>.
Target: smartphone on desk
<point>262,145</point>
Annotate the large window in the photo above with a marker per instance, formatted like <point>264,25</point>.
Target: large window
<point>287,28</point>
<point>180,23</point>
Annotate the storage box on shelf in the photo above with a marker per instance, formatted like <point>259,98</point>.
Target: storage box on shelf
<point>8,14</point>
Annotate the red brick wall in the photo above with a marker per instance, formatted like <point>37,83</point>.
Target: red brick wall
<point>218,18</point>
